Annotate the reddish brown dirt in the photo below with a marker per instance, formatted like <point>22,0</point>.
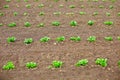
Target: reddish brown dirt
<point>68,52</point>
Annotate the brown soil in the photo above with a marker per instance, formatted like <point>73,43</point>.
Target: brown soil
<point>68,52</point>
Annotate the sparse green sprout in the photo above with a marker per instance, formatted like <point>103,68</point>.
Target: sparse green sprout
<point>25,0</point>
<point>13,24</point>
<point>119,14</point>
<point>82,62</point>
<point>41,25</point>
<point>73,23</point>
<point>57,64</point>
<point>119,63</point>
<point>11,39</point>
<point>91,39</point>
<point>57,13</point>
<point>72,6</point>
<point>28,40</point>
<point>45,39</point>
<point>101,6</point>
<point>8,0</point>
<point>27,24</point>
<point>109,38</point>
<point>41,5</point>
<point>28,5</point>
<point>95,0</point>
<point>90,22</point>
<point>118,37</point>
<point>41,13</point>
<point>1,24</point>
<point>25,13</point>
<point>95,13</point>
<point>82,6</point>
<point>15,13</point>
<point>1,14</point>
<point>6,6</point>
<point>56,0</point>
<point>101,61</point>
<point>108,14</point>
<point>75,38</point>
<point>111,7</point>
<point>60,39</point>
<point>108,23</point>
<point>55,23</point>
<point>61,5</point>
<point>8,66</point>
<point>82,13</point>
<point>31,65</point>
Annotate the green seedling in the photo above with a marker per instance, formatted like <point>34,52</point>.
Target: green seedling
<point>101,6</point>
<point>60,39</point>
<point>108,38</point>
<point>25,0</point>
<point>95,13</point>
<point>6,6</point>
<point>45,39</point>
<point>1,14</point>
<point>108,23</point>
<point>72,6</point>
<point>56,0</point>
<point>82,62</point>
<point>75,38</point>
<point>91,39</point>
<point>119,63</point>
<point>73,23</point>
<point>13,24</point>
<point>95,0</point>
<point>101,61</point>
<point>31,65</point>
<point>61,5</point>
<point>41,25</point>
<point>57,64</point>
<point>8,0</point>
<point>1,24</point>
<point>111,7</point>
<point>118,37</point>
<point>28,40</point>
<point>11,39</point>
<point>82,6</point>
<point>28,5</point>
<point>41,13</point>
<point>57,13</point>
<point>25,13</point>
<point>15,13</point>
<point>108,14</point>
<point>82,13</point>
<point>8,66</point>
<point>119,14</point>
<point>41,5</point>
<point>90,22</point>
<point>56,23</point>
<point>27,24</point>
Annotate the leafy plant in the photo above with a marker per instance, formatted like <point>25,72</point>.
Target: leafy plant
<point>108,23</point>
<point>109,38</point>
<point>119,14</point>
<point>27,24</point>
<point>30,65</point>
<point>28,5</point>
<point>82,62</point>
<point>11,39</point>
<point>1,24</point>
<point>41,13</point>
<point>60,39</point>
<point>72,6</point>
<point>82,13</point>
<point>73,23</point>
<point>15,13</point>
<point>82,6</point>
<point>56,23</point>
<point>108,14</point>
<point>95,13</point>
<point>57,13</point>
<point>9,65</point>
<point>91,39</point>
<point>41,5</point>
<point>8,0</point>
<point>61,5</point>
<point>25,13</point>
<point>111,7</point>
<point>101,6</point>
<point>101,61</point>
<point>6,6</point>
<point>1,14</point>
<point>119,63</point>
<point>25,0</point>
<point>75,38</point>
<point>118,37</point>
<point>28,40</point>
<point>12,24</point>
<point>90,22</point>
<point>41,25</point>
<point>57,64</point>
<point>45,39</point>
